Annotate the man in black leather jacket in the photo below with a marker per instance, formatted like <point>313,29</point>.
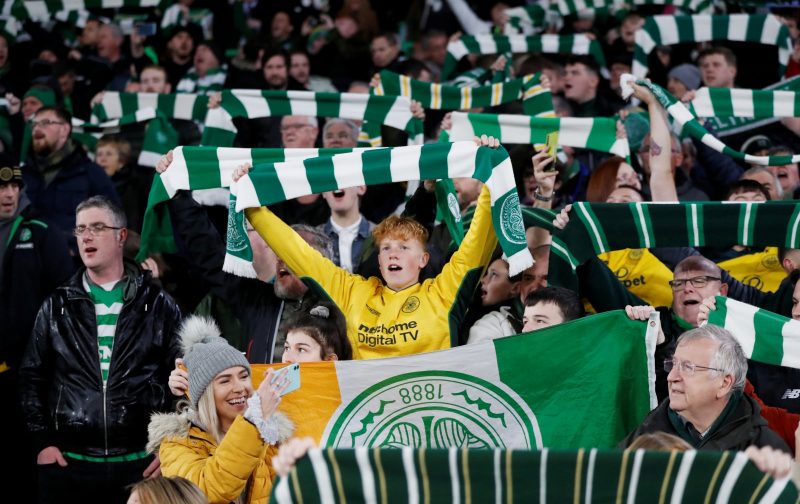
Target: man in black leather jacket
<point>97,366</point>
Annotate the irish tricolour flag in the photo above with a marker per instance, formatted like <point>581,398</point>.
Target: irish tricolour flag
<point>581,384</point>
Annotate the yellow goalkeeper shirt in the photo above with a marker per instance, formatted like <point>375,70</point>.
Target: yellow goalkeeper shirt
<point>380,321</point>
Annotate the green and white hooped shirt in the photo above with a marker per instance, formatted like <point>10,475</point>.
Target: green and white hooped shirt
<point>107,299</point>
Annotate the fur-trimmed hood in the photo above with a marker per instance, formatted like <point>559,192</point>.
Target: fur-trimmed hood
<point>178,425</point>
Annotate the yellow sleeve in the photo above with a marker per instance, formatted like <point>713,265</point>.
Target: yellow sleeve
<point>475,251</point>
<point>223,475</point>
<point>302,258</point>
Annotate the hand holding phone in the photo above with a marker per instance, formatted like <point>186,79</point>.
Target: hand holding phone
<point>551,146</point>
<point>290,375</point>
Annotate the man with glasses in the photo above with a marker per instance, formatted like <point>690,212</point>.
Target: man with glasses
<point>706,406</point>
<point>58,174</point>
<point>97,366</point>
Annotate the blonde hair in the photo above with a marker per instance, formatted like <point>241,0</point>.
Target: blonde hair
<point>164,490</point>
<point>403,228</point>
<point>207,414</point>
<point>660,441</point>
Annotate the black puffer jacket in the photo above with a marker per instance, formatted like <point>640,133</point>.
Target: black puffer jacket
<point>61,388</point>
<point>744,426</point>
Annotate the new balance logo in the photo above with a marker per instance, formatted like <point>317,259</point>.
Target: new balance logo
<point>791,393</point>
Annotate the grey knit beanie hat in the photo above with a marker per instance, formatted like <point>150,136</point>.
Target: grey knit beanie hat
<point>206,354</point>
<point>688,74</point>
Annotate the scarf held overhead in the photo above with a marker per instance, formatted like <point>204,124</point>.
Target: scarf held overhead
<point>668,30</point>
<point>595,228</point>
<point>275,182</point>
<point>689,125</point>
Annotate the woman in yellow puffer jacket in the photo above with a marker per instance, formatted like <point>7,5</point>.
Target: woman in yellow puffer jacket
<point>224,441</point>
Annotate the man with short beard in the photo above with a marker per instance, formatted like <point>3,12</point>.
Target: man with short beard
<point>264,304</point>
<point>180,53</point>
<point>58,174</point>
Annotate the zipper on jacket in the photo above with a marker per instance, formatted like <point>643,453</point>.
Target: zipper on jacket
<point>271,348</point>
<point>58,404</point>
<point>105,420</point>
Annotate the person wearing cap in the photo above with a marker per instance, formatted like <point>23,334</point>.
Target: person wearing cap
<point>682,79</point>
<point>223,441</point>
<point>33,261</point>
<point>97,365</point>
<point>179,50</point>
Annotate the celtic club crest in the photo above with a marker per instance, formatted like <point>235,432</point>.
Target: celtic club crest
<point>434,409</point>
<point>511,224</point>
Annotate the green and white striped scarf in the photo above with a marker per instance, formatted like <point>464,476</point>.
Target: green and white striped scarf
<point>198,168</point>
<point>218,130</point>
<point>595,228</point>
<point>727,120</point>
<point>174,16</point>
<point>755,103</point>
<point>689,125</point>
<point>525,20</point>
<point>570,7</point>
<point>765,336</point>
<point>536,100</point>
<point>211,82</point>
<point>44,10</point>
<point>495,44</point>
<point>10,28</point>
<point>597,133</point>
<point>159,137</point>
<point>272,183</point>
<point>394,111</point>
<point>545,476</point>
<point>668,30</point>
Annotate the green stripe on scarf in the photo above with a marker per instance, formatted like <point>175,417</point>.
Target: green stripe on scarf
<point>598,133</point>
<point>689,125</point>
<point>546,476</point>
<point>525,20</point>
<point>536,100</point>
<point>196,168</point>
<point>668,30</point>
<point>495,44</point>
<point>399,164</point>
<point>764,336</point>
<point>602,227</point>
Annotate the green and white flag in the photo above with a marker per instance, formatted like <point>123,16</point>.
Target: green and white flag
<point>525,20</point>
<point>277,182</point>
<point>597,133</point>
<point>764,336</point>
<point>496,44</point>
<point>596,228</point>
<point>688,124</point>
<point>668,30</point>
<point>536,100</point>
<point>581,384</point>
<point>199,168</point>
<point>588,476</point>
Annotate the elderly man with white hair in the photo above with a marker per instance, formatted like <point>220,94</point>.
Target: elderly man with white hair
<point>706,406</point>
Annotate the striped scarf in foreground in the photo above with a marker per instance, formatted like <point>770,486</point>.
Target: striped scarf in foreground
<point>198,168</point>
<point>44,10</point>
<point>668,30</point>
<point>765,336</point>
<point>536,100</point>
<point>597,133</point>
<point>516,476</point>
<point>277,182</point>
<point>496,44</point>
<point>689,125</point>
<point>595,228</point>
